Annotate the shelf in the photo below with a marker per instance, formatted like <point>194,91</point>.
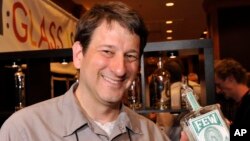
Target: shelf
<point>204,50</point>
<point>52,55</point>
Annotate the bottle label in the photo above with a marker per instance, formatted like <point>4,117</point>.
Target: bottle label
<point>209,127</point>
<point>192,100</point>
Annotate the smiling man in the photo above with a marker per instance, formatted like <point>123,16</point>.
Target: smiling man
<point>108,44</point>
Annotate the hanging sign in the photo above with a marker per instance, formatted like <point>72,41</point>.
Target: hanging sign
<point>34,25</point>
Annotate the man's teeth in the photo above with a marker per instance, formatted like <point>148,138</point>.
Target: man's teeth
<point>112,80</point>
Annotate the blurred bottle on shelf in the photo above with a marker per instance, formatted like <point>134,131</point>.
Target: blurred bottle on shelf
<point>134,94</point>
<point>159,87</point>
<point>20,101</point>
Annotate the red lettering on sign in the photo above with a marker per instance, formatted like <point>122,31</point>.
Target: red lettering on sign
<point>52,25</point>
<point>21,38</point>
<point>59,30</point>
<point>33,43</point>
<point>43,34</point>
<point>25,29</point>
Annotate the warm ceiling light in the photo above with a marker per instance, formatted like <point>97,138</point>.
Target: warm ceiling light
<point>168,4</point>
<point>169,38</point>
<point>205,32</point>
<point>169,22</point>
<point>169,31</point>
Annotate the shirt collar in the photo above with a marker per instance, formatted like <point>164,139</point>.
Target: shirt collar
<point>127,118</point>
<point>74,117</point>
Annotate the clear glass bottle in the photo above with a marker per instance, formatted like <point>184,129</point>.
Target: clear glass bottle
<point>160,87</point>
<point>184,89</point>
<point>134,94</point>
<point>20,89</point>
<point>204,123</point>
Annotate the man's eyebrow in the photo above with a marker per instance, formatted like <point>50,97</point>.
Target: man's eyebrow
<point>133,50</point>
<point>106,45</point>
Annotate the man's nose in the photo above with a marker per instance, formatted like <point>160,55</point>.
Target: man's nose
<point>118,66</point>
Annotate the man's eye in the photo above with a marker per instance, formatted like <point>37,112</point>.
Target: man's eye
<point>107,52</point>
<point>131,58</point>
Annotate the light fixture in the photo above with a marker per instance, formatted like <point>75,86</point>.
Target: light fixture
<point>169,22</point>
<point>169,38</point>
<point>168,4</point>
<point>169,31</point>
<point>204,32</point>
<point>172,55</point>
<point>14,65</point>
<point>64,62</point>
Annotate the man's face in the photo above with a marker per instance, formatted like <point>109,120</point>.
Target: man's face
<point>225,87</point>
<point>110,63</point>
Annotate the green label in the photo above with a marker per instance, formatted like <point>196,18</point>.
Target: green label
<point>209,126</point>
<point>209,119</point>
<point>192,101</point>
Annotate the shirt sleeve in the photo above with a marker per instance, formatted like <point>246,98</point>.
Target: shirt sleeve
<point>10,132</point>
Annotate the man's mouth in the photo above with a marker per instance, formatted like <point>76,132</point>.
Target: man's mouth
<point>115,81</point>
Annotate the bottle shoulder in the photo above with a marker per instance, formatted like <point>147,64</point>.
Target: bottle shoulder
<point>203,110</point>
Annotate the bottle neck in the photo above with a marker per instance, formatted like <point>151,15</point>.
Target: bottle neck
<point>194,105</point>
<point>160,64</point>
<point>185,80</point>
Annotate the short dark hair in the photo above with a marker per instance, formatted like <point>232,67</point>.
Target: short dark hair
<point>174,67</point>
<point>230,67</point>
<point>110,11</point>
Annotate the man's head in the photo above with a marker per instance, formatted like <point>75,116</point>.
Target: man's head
<point>108,43</point>
<point>229,74</point>
<point>174,67</point>
<point>110,12</point>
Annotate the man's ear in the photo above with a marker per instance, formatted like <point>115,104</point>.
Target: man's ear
<point>77,54</point>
